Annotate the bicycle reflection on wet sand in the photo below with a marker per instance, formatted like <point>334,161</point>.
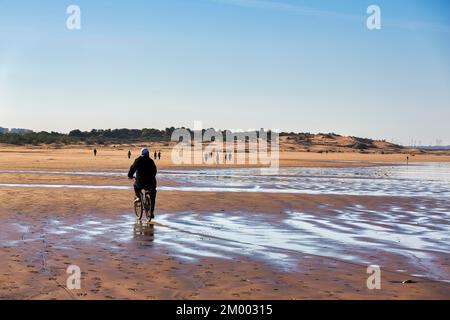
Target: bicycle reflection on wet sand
<point>144,233</point>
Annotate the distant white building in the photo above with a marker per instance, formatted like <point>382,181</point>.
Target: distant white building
<point>15,130</point>
<point>19,130</point>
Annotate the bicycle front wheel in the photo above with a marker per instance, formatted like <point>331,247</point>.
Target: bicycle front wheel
<point>148,207</point>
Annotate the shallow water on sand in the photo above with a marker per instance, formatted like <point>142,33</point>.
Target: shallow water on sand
<point>416,229</point>
<point>419,235</point>
<point>418,180</point>
<point>425,180</point>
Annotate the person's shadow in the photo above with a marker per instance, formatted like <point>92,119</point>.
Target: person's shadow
<point>144,234</point>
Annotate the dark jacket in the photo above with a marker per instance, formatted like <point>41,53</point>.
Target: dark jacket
<point>145,170</point>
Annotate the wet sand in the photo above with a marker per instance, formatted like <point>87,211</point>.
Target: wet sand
<point>212,245</point>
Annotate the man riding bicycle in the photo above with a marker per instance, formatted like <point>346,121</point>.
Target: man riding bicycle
<point>145,170</point>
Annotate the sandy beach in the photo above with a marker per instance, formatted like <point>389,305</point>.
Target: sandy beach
<point>308,233</point>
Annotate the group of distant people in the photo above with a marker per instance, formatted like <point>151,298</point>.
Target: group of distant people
<point>156,155</point>
<point>227,156</point>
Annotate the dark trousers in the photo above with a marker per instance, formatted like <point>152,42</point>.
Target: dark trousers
<point>137,191</point>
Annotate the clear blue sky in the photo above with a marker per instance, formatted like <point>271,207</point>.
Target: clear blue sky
<point>239,64</point>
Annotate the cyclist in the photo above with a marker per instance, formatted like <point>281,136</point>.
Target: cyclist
<point>145,170</point>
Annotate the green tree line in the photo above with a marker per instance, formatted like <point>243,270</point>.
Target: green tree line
<point>97,136</point>
<point>94,136</point>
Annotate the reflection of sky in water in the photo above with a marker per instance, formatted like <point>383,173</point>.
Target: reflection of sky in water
<point>432,180</point>
<point>418,234</point>
<point>421,180</point>
<point>184,244</point>
<point>353,234</point>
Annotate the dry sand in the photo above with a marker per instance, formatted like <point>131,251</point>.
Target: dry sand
<point>73,158</point>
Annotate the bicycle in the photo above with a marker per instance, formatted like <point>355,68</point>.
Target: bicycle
<point>143,204</point>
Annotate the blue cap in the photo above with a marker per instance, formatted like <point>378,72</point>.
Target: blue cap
<point>145,152</point>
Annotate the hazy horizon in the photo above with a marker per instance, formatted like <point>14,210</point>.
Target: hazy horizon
<point>297,66</point>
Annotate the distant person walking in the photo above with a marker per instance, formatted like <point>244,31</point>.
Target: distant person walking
<point>407,160</point>
<point>159,155</point>
<point>95,152</point>
<point>155,155</point>
<point>129,154</point>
